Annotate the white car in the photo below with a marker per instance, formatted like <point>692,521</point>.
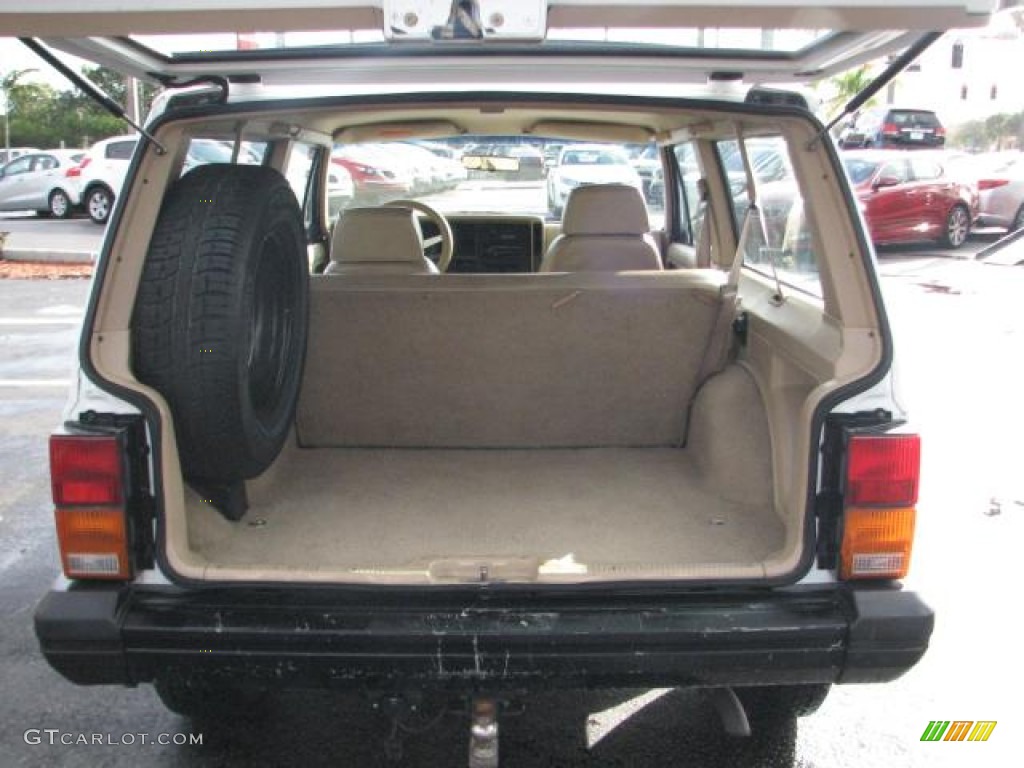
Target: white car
<point>102,173</point>
<point>304,456</point>
<point>41,182</point>
<point>582,164</point>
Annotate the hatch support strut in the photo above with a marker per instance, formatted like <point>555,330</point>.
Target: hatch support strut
<point>89,89</point>
<point>897,65</point>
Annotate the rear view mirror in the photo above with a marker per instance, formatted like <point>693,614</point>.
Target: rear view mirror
<point>488,163</point>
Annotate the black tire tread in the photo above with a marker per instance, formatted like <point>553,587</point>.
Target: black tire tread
<point>193,359</point>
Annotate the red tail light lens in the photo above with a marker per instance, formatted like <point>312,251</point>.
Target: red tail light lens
<point>883,470</point>
<point>86,470</point>
<point>87,475</point>
<point>984,184</point>
<point>73,172</point>
<point>890,129</point>
<point>940,131</point>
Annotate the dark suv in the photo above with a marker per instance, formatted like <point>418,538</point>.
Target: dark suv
<point>891,127</point>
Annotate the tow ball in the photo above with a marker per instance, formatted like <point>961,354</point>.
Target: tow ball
<point>411,715</point>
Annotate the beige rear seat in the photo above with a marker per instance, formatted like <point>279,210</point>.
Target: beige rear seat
<point>475,361</point>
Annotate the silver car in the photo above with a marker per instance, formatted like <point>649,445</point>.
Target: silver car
<point>39,182</point>
<point>1001,196</point>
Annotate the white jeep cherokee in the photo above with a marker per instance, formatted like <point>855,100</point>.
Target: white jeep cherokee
<point>450,444</point>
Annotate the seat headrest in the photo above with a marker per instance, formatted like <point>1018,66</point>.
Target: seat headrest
<point>378,239</point>
<point>605,209</point>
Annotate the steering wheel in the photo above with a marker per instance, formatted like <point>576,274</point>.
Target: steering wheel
<point>445,237</point>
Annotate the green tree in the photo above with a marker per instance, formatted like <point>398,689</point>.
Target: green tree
<point>44,117</point>
<point>847,85</point>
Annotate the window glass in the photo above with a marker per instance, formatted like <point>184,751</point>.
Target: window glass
<point>206,151</point>
<point>858,169</point>
<point>895,170</point>
<point>784,244</point>
<point>690,207</point>
<point>21,165</point>
<point>925,169</point>
<point>120,150</point>
<point>298,171</point>
<point>534,176</point>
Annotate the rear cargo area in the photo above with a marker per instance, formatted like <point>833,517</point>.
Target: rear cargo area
<point>445,514</point>
<point>511,428</point>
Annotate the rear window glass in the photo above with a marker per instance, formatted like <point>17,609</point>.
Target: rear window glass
<point>593,157</point>
<point>120,150</point>
<point>911,119</point>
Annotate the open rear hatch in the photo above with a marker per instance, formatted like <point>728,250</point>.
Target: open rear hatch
<point>537,476</point>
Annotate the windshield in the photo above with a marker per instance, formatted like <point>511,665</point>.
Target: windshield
<point>496,174</point>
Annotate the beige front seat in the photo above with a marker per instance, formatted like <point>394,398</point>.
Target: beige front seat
<point>378,241</point>
<point>605,228</point>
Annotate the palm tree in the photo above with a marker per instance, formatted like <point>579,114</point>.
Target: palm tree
<point>848,85</point>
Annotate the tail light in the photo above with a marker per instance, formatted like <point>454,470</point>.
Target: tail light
<point>890,129</point>
<point>940,131</point>
<point>76,170</point>
<point>882,474</point>
<point>984,184</point>
<point>87,474</point>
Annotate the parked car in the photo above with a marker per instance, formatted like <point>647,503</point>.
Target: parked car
<point>304,458</point>
<point>341,190</point>
<point>14,152</point>
<point>101,174</point>
<point>900,128</point>
<point>647,162</point>
<point>1001,195</point>
<point>377,176</point>
<point>910,197</point>
<point>529,158</point>
<point>583,164</point>
<point>41,182</point>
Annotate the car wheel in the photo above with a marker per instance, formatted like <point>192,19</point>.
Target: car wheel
<point>958,227</point>
<point>221,316</point>
<point>60,204</point>
<point>98,203</point>
<point>1018,220</point>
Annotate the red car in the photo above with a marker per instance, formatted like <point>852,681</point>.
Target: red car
<point>910,197</point>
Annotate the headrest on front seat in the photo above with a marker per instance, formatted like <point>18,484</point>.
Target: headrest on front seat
<point>378,240</point>
<point>605,228</point>
<point>605,209</point>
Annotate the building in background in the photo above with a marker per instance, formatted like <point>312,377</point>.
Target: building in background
<point>968,74</point>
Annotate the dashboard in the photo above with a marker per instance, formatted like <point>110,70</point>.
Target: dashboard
<point>484,243</point>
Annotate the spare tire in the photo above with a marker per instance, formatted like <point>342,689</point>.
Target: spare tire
<point>221,316</point>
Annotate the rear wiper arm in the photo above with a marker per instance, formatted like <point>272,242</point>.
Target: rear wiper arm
<point>90,90</point>
<point>897,65</point>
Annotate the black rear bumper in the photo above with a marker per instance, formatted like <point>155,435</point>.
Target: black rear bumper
<point>302,637</point>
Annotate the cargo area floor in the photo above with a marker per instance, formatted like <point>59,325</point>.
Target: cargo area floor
<point>628,509</point>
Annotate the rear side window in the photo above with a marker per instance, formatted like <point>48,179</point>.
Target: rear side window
<point>119,150</point>
<point>784,245</point>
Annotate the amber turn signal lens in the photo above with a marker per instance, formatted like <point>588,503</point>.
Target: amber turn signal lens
<point>93,543</point>
<point>877,543</point>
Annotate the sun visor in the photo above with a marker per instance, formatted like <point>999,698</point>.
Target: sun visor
<point>592,131</point>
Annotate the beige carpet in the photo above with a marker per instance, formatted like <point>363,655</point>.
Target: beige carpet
<point>331,509</point>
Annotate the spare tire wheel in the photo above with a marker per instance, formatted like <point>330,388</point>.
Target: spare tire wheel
<point>221,316</point>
